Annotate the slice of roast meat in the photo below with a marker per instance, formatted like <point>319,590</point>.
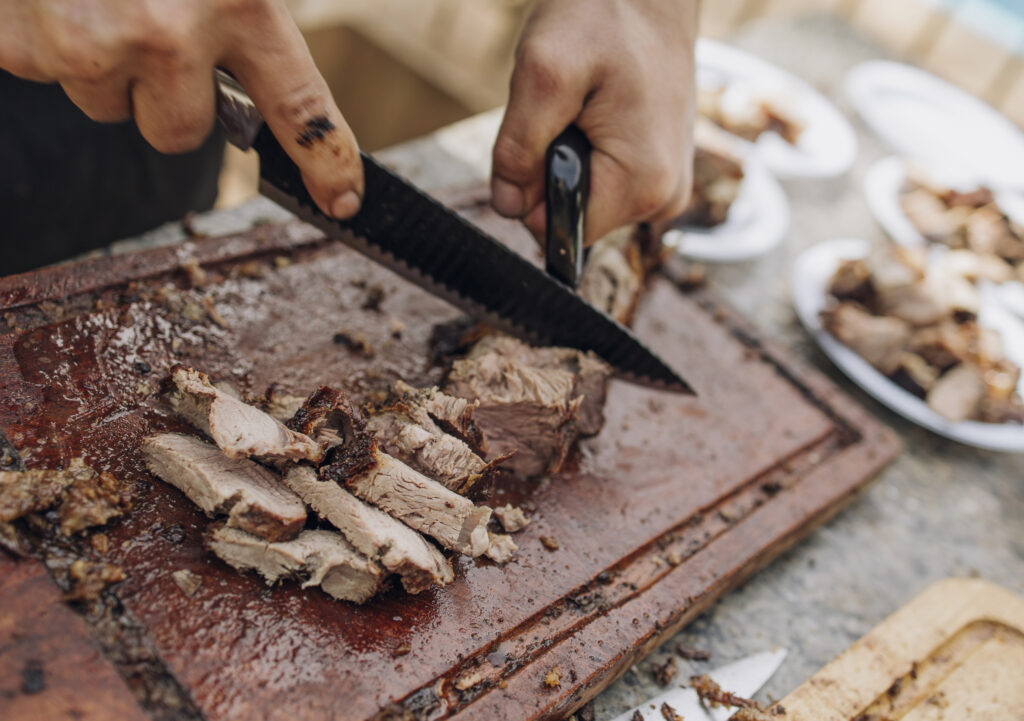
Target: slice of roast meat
<point>251,496</point>
<point>501,548</point>
<point>591,373</point>
<point>408,433</point>
<point>240,430</point>
<point>398,548</point>
<point>528,411</point>
<point>317,558</point>
<point>419,502</point>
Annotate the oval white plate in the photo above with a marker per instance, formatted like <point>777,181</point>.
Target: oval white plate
<point>811,274</point>
<point>827,146</point>
<point>928,119</point>
<point>757,222</point>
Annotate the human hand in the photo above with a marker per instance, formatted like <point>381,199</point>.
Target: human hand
<point>623,71</point>
<point>153,60</point>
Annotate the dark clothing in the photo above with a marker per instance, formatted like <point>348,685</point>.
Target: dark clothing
<point>68,185</point>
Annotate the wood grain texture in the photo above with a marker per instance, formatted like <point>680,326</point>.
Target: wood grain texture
<point>50,667</point>
<point>676,501</point>
<point>954,652</point>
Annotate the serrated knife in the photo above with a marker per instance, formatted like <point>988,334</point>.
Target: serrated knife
<point>425,242</point>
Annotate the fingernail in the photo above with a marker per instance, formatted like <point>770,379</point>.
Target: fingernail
<point>506,198</point>
<point>345,205</point>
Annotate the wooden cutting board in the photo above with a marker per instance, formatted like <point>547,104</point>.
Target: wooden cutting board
<point>955,652</point>
<point>675,502</point>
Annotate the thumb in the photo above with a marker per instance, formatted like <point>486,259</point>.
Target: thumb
<point>281,78</point>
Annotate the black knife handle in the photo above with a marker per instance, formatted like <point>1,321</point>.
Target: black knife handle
<point>567,188</point>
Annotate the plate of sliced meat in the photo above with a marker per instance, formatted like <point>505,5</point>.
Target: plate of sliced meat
<point>915,333</point>
<point>738,211</point>
<point>788,124</point>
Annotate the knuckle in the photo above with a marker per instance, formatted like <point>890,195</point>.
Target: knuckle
<point>303,102</point>
<point>657,185</point>
<point>511,159</point>
<point>543,69</point>
<point>182,136</point>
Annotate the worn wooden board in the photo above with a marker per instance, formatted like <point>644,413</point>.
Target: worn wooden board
<point>954,652</point>
<point>675,502</point>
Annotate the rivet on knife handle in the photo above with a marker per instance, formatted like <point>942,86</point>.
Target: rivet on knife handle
<point>567,188</point>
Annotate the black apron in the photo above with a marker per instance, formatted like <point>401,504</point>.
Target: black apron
<point>68,185</point>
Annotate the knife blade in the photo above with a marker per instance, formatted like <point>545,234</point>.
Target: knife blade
<point>743,678</point>
<point>427,243</point>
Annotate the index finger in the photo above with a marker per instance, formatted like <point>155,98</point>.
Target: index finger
<point>270,59</point>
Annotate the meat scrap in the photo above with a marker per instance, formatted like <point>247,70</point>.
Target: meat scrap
<point>511,518</point>
<point>670,714</point>
<point>403,492</point>
<point>92,500</point>
<point>89,578</point>
<point>501,548</point>
<point>251,496</point>
<point>711,692</point>
<point>86,498</point>
<point>398,548</point>
<point>24,492</point>
<point>526,411</point>
<point>238,429</point>
<point>317,558</point>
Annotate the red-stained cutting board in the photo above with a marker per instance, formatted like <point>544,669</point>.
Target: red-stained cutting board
<point>675,502</point>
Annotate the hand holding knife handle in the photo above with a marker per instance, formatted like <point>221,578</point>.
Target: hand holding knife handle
<point>567,188</point>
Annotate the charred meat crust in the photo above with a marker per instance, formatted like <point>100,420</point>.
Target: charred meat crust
<point>329,417</point>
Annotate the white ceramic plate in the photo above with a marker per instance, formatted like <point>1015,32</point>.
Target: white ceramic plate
<point>757,222</point>
<point>811,275</point>
<point>929,120</point>
<point>826,147</point>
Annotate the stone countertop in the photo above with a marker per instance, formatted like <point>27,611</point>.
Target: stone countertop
<point>940,510</point>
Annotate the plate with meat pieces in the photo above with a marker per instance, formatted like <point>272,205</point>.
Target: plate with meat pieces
<point>919,336</point>
<point>782,120</point>
<point>737,210</point>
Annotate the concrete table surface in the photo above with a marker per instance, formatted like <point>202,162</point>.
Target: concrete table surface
<point>940,510</point>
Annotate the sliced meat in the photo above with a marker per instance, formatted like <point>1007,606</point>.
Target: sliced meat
<point>942,346</point>
<point>501,547</point>
<point>240,430</point>
<point>957,395</point>
<point>591,373</point>
<point>251,496</point>
<point>852,281</point>
<point>281,406</point>
<point>406,494</point>
<point>914,374</point>
<point>317,558</point>
<point>411,435</point>
<point>511,518</point>
<point>613,274</point>
<point>398,548</point>
<point>452,414</point>
<point>716,185</point>
<point>531,412</point>
<point>878,340</point>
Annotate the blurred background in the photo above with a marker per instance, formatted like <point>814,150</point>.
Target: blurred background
<point>402,68</point>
